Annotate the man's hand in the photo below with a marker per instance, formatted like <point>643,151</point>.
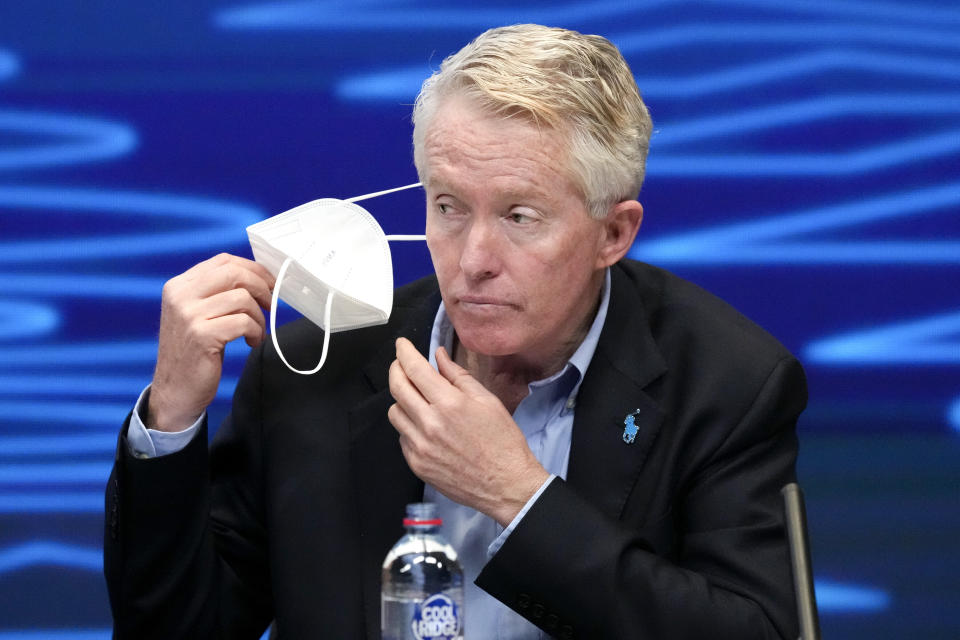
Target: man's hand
<point>458,437</point>
<point>203,309</point>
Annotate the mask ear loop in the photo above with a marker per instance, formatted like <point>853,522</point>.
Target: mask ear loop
<point>273,323</point>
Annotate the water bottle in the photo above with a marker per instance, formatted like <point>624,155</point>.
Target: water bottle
<point>421,592</point>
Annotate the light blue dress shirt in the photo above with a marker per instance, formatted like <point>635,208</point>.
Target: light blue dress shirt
<point>545,416</point>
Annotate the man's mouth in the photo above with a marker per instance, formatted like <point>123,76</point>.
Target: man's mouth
<point>481,302</point>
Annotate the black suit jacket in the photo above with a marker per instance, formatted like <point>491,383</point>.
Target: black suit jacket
<point>677,535</point>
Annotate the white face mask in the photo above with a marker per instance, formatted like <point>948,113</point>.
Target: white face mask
<point>332,264</point>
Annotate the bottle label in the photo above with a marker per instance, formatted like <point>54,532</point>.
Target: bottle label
<point>436,618</point>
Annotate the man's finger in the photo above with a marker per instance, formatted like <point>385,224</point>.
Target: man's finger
<point>223,259</point>
<point>400,420</point>
<point>227,328</point>
<point>425,378</point>
<point>225,272</point>
<point>229,302</point>
<point>404,392</point>
<point>244,274</point>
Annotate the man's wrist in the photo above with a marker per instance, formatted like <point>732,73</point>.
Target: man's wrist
<point>159,418</point>
<point>144,442</point>
<point>525,489</point>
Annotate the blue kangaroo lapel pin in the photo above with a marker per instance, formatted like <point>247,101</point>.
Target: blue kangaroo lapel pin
<point>630,427</point>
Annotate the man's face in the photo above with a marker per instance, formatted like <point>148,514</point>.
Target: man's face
<point>515,251</point>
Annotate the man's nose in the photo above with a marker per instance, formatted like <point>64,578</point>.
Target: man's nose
<point>479,259</point>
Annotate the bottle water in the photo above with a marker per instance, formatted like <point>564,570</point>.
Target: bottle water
<point>421,593</point>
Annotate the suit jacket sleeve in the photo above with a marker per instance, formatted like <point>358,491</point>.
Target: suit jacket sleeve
<point>715,565</point>
<point>185,557</point>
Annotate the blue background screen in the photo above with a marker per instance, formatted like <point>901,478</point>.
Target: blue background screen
<point>803,167</point>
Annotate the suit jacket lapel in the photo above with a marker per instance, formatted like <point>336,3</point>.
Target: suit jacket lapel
<point>384,482</point>
<point>603,468</point>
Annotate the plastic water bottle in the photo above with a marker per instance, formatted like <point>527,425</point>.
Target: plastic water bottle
<point>421,592</point>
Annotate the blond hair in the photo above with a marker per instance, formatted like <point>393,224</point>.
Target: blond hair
<point>576,84</point>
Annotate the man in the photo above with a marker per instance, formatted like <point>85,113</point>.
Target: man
<point>605,442</point>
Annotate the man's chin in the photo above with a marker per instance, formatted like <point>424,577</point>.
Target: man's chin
<point>487,343</point>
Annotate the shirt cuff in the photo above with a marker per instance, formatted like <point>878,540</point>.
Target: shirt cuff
<point>151,443</point>
<point>498,542</point>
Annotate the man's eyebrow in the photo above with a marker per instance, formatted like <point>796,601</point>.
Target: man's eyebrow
<point>435,181</point>
<point>440,188</point>
<point>528,194</point>
<point>436,184</point>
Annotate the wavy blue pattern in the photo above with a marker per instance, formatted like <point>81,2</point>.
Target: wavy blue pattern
<point>86,386</point>
<point>25,319</point>
<point>81,354</point>
<point>55,473</point>
<point>796,67</point>
<point>328,16</point>
<point>57,445</point>
<point>9,65</point>
<point>64,384</point>
<point>81,286</point>
<point>57,634</point>
<point>953,415</point>
<point>862,161</point>
<point>775,239</point>
<point>82,139</point>
<point>86,414</point>
<point>52,502</point>
<point>834,597</point>
<point>331,15</point>
<point>50,554</point>
<point>208,220</point>
<point>784,33</point>
<point>934,340</point>
<point>873,10</point>
<point>883,155</point>
<point>808,111</point>
<point>393,85</point>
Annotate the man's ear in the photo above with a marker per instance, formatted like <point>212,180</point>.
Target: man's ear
<point>619,231</point>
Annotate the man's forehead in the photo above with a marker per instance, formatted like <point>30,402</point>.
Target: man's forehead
<point>458,137</point>
<point>458,113</point>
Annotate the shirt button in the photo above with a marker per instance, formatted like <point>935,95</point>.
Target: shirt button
<point>571,402</point>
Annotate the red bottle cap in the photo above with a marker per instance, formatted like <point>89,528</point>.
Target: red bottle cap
<point>412,522</point>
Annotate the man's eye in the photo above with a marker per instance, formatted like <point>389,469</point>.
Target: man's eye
<point>443,208</point>
<point>520,218</point>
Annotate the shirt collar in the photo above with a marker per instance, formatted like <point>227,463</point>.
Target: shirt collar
<point>442,336</point>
